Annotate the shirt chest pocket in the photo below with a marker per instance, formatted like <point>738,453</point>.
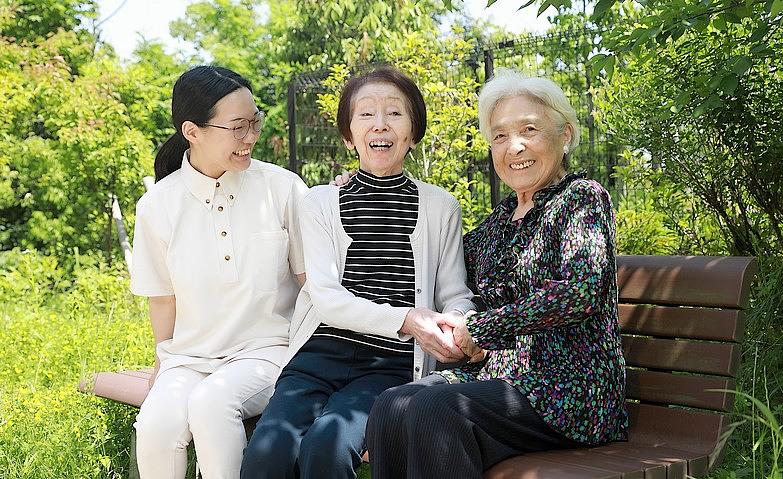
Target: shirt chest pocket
<point>263,257</point>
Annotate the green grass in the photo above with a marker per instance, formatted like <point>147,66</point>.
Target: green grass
<point>54,332</point>
<point>755,449</point>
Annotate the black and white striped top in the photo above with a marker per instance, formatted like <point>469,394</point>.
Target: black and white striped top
<point>379,214</point>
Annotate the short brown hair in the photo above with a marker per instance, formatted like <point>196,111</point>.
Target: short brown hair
<point>392,76</point>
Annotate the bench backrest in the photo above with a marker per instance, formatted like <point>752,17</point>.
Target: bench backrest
<point>682,322</point>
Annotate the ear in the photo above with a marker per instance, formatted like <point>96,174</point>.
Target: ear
<point>191,131</point>
<point>348,144</point>
<point>567,132</point>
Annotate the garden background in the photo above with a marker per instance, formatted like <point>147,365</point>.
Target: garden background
<point>681,103</point>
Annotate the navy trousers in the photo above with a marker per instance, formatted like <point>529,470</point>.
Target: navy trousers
<point>314,424</point>
<point>431,429</point>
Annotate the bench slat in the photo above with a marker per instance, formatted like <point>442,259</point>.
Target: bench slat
<point>140,373</point>
<point>682,390</point>
<point>628,467</point>
<point>676,355</point>
<point>674,322</point>
<point>532,466</point>
<point>674,461</point>
<point>718,281</point>
<point>652,462</point>
<point>675,428</point>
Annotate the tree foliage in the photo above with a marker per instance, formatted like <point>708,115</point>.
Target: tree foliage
<point>270,42</point>
<point>731,157</point>
<point>36,19</point>
<point>77,127</point>
<point>697,85</point>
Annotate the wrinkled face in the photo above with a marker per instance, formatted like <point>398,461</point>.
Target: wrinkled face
<point>218,150</point>
<point>381,128</point>
<point>527,147</point>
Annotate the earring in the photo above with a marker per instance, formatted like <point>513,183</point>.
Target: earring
<point>565,149</point>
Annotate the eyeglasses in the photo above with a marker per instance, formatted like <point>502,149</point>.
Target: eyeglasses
<point>242,126</point>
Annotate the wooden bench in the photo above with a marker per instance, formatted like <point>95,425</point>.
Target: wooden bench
<point>682,321</point>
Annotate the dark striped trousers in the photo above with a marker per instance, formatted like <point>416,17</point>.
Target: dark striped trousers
<point>432,429</point>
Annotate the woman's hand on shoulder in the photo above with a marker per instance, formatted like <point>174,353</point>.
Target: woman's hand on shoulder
<point>424,325</point>
<point>343,179</point>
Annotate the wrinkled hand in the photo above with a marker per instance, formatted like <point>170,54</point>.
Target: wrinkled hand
<point>343,179</point>
<point>424,325</point>
<point>456,321</point>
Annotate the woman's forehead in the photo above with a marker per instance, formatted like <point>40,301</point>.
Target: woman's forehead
<point>518,108</point>
<point>379,91</point>
<point>236,105</point>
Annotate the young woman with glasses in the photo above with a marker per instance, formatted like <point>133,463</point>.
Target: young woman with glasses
<point>217,250</point>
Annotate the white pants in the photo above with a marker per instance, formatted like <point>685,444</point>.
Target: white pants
<point>209,408</point>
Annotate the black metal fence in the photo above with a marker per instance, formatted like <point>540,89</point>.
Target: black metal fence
<point>317,153</point>
<point>315,150</point>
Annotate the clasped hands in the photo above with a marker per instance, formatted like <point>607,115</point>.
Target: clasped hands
<point>443,335</point>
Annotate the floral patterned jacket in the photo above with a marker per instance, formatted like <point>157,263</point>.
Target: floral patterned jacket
<point>549,282</point>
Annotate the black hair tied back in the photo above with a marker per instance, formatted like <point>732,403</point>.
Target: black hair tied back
<point>194,97</point>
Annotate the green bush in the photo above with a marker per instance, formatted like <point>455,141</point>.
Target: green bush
<point>657,216</point>
<point>643,232</point>
<point>30,278</point>
<point>56,332</point>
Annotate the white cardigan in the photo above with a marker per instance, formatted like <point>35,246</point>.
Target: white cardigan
<point>438,260</point>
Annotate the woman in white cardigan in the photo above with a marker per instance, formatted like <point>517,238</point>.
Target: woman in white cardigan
<point>383,256</point>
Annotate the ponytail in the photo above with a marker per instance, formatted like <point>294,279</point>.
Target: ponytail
<point>169,157</point>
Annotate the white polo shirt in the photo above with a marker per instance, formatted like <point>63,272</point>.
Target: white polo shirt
<point>228,249</point>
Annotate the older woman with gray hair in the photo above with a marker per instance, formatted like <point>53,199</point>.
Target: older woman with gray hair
<point>546,368</point>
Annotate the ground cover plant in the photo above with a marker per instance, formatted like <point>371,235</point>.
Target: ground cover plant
<point>57,325</point>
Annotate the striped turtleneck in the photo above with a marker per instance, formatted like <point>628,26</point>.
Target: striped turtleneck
<point>379,214</point>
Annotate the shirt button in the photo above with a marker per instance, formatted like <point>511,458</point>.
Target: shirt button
<point>223,233</point>
<point>220,208</point>
<point>230,197</point>
<point>207,201</point>
<point>217,185</point>
<point>418,290</point>
<point>418,369</point>
<point>226,257</point>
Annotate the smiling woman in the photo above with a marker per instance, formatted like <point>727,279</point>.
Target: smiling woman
<point>527,146</point>
<point>383,256</point>
<point>217,249</point>
<point>214,152</point>
<point>380,129</point>
<point>550,372</point>
<point>381,122</point>
<point>531,128</point>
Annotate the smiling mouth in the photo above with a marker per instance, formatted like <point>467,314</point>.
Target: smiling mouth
<point>381,145</point>
<point>244,152</point>
<point>522,165</point>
